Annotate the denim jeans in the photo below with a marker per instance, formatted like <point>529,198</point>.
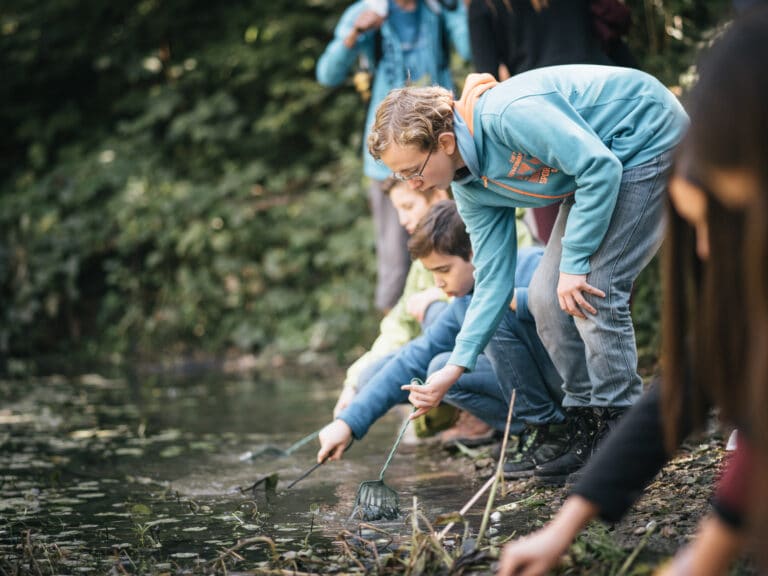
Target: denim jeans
<point>597,356</point>
<point>477,392</point>
<point>515,359</point>
<point>521,363</point>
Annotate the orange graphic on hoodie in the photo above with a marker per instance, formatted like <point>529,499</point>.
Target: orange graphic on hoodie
<point>529,168</point>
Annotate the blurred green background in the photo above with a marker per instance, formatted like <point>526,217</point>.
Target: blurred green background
<point>174,183</point>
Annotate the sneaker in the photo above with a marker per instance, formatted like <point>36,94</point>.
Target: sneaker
<point>469,430</point>
<point>584,425</point>
<point>519,462</point>
<point>540,444</point>
<point>514,442</point>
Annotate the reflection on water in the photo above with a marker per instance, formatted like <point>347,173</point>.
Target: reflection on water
<point>95,469</point>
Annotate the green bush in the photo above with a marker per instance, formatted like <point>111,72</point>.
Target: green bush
<point>173,179</point>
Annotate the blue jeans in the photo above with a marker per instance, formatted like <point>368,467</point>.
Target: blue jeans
<point>515,359</point>
<point>597,356</point>
<point>521,363</point>
<point>477,392</point>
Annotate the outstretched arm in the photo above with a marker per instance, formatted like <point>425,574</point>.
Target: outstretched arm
<point>539,552</point>
<point>614,478</point>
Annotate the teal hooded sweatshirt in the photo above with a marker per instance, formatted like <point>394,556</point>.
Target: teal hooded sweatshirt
<point>538,138</point>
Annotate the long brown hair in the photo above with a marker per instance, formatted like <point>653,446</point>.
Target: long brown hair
<point>715,325</point>
<point>716,315</point>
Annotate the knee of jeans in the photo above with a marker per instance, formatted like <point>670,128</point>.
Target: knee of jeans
<point>438,362</point>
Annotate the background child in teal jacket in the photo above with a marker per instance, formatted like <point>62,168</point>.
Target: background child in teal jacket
<point>597,139</point>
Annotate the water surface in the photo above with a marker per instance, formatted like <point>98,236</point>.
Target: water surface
<point>147,471</point>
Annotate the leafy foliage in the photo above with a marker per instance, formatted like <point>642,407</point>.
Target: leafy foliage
<point>172,177</point>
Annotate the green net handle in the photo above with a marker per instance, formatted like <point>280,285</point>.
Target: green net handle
<point>399,436</point>
<point>303,441</point>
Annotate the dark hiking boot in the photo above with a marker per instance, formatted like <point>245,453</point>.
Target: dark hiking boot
<point>540,444</point>
<point>584,424</point>
<point>608,420</point>
<point>518,463</point>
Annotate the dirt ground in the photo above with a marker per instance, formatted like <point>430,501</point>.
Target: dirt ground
<point>662,521</point>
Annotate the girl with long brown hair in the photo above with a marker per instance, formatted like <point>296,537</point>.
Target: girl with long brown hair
<point>715,348</point>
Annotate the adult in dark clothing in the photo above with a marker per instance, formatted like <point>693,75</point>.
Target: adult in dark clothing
<point>520,35</point>
<point>715,320</point>
<point>514,33</point>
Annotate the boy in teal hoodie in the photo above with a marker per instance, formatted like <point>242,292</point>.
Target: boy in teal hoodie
<point>596,139</point>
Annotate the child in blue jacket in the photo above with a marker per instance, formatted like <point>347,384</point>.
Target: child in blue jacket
<point>596,139</point>
<point>518,357</point>
<point>407,46</point>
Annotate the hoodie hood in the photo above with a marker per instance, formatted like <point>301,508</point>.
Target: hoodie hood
<point>463,116</point>
<point>474,87</point>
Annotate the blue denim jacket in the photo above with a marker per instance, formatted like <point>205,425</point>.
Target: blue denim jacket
<point>337,61</point>
<point>383,391</point>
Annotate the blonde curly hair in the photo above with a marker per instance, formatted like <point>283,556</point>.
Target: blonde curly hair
<point>411,116</point>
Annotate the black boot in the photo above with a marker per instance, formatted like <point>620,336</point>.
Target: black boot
<point>540,444</point>
<point>608,419</point>
<point>584,425</point>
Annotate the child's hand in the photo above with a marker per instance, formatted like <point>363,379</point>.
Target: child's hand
<point>426,397</point>
<point>569,294</point>
<point>418,303</point>
<point>333,440</point>
<point>367,20</point>
<point>533,555</point>
<point>345,399</point>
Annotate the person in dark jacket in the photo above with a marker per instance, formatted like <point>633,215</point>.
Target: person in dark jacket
<point>715,321</point>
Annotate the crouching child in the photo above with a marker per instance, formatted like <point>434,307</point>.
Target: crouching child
<point>519,359</point>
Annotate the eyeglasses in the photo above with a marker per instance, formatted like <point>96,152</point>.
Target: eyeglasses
<point>419,174</point>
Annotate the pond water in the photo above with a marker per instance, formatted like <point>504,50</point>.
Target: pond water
<point>145,472</point>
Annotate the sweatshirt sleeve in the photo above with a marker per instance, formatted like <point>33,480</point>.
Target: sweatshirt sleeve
<point>548,128</point>
<point>457,25</point>
<point>528,260</point>
<point>412,361</point>
<point>335,63</point>
<point>732,497</point>
<point>492,231</point>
